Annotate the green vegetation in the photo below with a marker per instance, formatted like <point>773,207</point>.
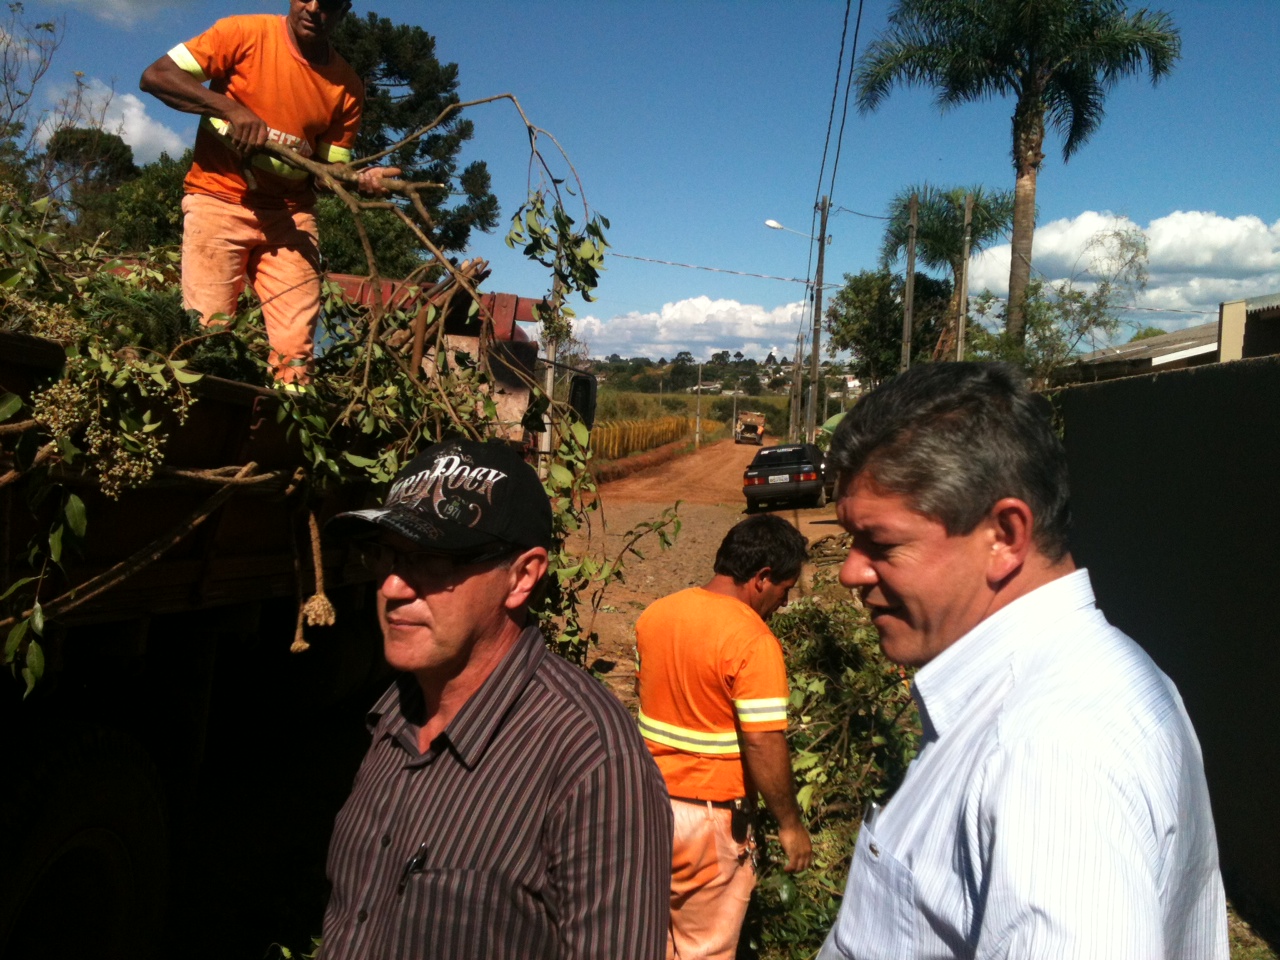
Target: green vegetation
<point>865,317</point>
<point>857,732</point>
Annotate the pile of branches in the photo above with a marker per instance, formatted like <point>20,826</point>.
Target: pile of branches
<point>385,386</point>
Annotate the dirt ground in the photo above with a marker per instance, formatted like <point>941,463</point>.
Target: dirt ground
<point>708,484</point>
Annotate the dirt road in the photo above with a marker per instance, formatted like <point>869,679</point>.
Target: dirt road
<point>709,485</point>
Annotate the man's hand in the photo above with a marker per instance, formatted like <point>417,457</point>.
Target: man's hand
<point>369,180</point>
<point>768,766</point>
<point>248,131</point>
<point>797,846</point>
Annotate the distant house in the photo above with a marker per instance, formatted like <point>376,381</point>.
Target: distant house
<point>1244,329</point>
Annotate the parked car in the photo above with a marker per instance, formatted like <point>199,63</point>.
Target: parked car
<point>789,471</point>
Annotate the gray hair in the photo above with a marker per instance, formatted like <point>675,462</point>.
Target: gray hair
<point>954,438</point>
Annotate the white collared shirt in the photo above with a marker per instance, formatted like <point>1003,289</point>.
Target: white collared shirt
<point>1057,807</point>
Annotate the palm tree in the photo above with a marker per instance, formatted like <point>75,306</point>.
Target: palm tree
<point>940,230</point>
<point>1058,59</point>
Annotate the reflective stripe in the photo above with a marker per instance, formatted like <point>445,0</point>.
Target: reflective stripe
<point>328,153</point>
<point>186,62</point>
<point>264,161</point>
<point>690,741</point>
<point>766,710</point>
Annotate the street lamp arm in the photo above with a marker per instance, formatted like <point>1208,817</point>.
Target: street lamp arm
<point>775,225</point>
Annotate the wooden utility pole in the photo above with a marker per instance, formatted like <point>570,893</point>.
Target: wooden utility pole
<point>811,417</point>
<point>697,422</point>
<point>909,295</point>
<point>793,430</point>
<point>962,318</point>
<point>549,387</point>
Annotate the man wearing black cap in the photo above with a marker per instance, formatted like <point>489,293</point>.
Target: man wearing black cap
<point>507,806</point>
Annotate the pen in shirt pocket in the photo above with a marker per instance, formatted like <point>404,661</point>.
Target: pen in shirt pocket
<point>415,865</point>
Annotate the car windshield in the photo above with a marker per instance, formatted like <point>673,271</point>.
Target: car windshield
<point>780,456</point>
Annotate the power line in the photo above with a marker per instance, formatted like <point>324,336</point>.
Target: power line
<point>869,216</point>
<point>694,266</point>
<point>844,115</point>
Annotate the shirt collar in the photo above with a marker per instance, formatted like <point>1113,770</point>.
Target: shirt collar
<point>947,686</point>
<point>399,711</point>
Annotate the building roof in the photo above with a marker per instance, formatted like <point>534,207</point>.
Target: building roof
<point>1166,348</point>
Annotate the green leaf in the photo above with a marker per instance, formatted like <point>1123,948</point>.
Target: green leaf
<point>16,585</point>
<point>560,475</point>
<point>37,619</point>
<point>581,435</point>
<point>356,461</point>
<point>10,276</point>
<point>16,633</point>
<point>74,512</point>
<point>10,403</point>
<point>788,895</point>
<point>34,669</point>
<point>182,375</point>
<point>55,545</point>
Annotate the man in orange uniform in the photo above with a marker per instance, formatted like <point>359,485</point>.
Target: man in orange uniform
<point>248,214</point>
<point>713,711</point>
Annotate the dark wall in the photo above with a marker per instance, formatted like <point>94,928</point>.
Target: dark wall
<point>1176,498</point>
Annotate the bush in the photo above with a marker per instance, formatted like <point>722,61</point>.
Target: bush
<point>857,730</point>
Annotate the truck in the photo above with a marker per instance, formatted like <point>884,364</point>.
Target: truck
<point>173,777</point>
<point>749,428</point>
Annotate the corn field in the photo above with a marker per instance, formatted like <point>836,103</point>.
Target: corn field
<point>609,441</point>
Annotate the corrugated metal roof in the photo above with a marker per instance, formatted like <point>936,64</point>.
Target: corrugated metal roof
<point>1254,304</point>
<point>1153,347</point>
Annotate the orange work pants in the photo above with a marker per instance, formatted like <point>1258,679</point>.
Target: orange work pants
<point>711,882</point>
<point>277,251</point>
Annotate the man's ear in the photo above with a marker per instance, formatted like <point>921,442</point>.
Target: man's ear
<point>524,575</point>
<point>1012,527</point>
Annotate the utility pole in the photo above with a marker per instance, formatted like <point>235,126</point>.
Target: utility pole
<point>909,295</point>
<point>549,387</point>
<point>810,422</point>
<point>797,395</point>
<point>962,319</point>
<point>697,422</point>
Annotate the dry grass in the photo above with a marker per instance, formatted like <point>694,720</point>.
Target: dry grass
<point>1245,944</point>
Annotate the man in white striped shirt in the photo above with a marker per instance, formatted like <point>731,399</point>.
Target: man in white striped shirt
<point>1058,805</point>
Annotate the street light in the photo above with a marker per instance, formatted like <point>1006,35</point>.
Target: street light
<point>811,415</point>
<point>775,225</point>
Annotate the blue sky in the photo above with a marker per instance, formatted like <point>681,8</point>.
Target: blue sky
<point>692,123</point>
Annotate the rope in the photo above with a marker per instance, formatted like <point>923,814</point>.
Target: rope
<point>318,610</point>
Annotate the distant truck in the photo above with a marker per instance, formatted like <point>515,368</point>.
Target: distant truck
<point>749,428</point>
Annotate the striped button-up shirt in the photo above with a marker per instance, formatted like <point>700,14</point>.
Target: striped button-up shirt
<point>1057,807</point>
<point>535,826</point>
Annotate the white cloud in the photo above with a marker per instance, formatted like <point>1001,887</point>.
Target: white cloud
<point>126,115</point>
<point>148,136</point>
<point>1197,259</point>
<point>124,12</point>
<point>700,325</point>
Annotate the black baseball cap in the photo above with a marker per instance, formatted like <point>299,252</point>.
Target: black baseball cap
<point>459,497</point>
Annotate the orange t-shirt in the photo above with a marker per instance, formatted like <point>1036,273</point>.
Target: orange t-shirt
<point>313,109</point>
<point>708,666</point>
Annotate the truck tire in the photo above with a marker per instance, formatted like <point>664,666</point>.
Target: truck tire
<point>84,860</point>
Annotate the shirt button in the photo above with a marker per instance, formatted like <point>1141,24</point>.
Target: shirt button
<point>362,916</point>
<point>875,851</point>
<point>386,839</point>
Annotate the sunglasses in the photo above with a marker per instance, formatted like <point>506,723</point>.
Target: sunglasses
<point>426,566</point>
